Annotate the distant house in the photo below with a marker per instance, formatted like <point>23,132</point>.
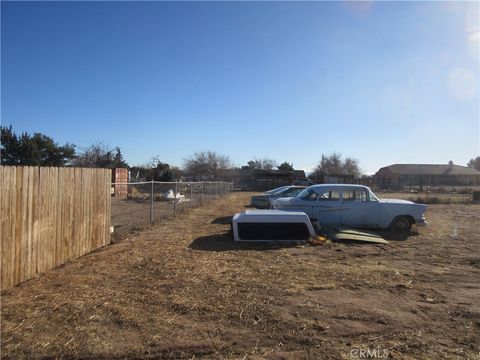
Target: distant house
<point>298,175</point>
<point>398,176</point>
<point>336,179</point>
<point>269,179</point>
<point>266,179</point>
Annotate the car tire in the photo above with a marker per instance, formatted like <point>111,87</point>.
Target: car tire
<point>401,224</point>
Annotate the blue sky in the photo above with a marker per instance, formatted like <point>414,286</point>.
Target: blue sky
<point>383,82</point>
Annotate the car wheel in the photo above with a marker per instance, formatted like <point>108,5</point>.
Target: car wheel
<point>401,224</point>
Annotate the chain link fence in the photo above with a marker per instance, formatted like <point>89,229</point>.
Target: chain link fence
<point>135,205</point>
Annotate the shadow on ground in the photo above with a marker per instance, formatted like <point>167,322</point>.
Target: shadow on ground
<point>224,220</point>
<point>224,242</point>
<point>138,200</point>
<point>396,236</point>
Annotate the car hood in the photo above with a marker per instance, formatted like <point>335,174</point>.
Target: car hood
<point>283,201</point>
<point>395,201</point>
<point>414,208</point>
<point>259,197</point>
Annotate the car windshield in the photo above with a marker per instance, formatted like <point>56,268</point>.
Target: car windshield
<point>290,192</point>
<point>276,190</point>
<point>279,191</point>
<point>306,194</point>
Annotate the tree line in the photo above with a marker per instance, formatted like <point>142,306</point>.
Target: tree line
<point>41,150</point>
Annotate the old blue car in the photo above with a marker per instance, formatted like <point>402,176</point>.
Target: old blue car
<point>353,206</point>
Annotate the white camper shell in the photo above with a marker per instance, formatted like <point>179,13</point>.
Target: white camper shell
<point>271,225</point>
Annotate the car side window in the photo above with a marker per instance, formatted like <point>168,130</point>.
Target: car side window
<point>355,195</point>
<point>335,195</point>
<point>329,195</point>
<point>324,195</point>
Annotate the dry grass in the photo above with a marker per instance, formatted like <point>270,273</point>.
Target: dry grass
<point>430,198</point>
<point>183,289</point>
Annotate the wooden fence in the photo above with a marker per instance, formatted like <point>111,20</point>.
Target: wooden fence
<point>49,215</point>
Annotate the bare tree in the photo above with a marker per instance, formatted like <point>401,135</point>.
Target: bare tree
<point>329,165</point>
<point>474,163</point>
<point>285,166</point>
<point>261,164</point>
<point>351,167</point>
<point>207,165</point>
<point>334,165</point>
<point>100,155</point>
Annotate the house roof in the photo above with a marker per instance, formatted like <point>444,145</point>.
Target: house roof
<point>271,173</point>
<point>431,169</point>
<point>299,174</point>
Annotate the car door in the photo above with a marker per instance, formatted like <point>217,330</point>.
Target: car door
<point>358,210</point>
<point>327,208</point>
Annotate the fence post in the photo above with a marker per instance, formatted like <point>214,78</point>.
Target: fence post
<point>175,199</point>
<point>202,191</point>
<point>151,204</point>
<point>210,191</point>
<point>191,194</point>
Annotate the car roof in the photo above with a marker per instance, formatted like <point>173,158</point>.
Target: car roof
<point>351,186</point>
<point>288,187</point>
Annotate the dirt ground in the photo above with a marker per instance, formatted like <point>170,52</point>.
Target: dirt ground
<point>184,289</point>
<point>131,215</point>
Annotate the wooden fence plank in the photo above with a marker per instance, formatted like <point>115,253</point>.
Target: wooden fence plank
<point>78,224</point>
<point>4,230</point>
<point>23,272</point>
<point>35,211</point>
<point>6,236</point>
<point>2,221</point>
<point>108,207</point>
<point>10,228</point>
<point>3,217</point>
<point>59,219</point>
<point>42,246</point>
<point>88,215</point>
<point>70,253</point>
<point>34,223</point>
<point>18,223</point>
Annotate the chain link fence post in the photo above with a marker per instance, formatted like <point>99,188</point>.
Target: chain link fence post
<point>151,203</point>
<point>191,194</point>
<point>175,199</point>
